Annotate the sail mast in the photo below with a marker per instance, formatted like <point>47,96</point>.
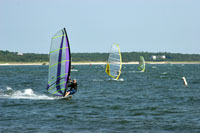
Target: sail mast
<point>69,69</point>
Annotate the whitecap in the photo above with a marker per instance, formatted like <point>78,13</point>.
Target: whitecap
<point>164,73</point>
<point>8,88</point>
<point>74,70</point>
<point>26,94</point>
<point>121,79</point>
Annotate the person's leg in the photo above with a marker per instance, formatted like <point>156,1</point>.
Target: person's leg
<point>72,92</point>
<point>67,93</point>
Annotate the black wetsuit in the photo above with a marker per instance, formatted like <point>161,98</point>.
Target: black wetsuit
<point>73,88</point>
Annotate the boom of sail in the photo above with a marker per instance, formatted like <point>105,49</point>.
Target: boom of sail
<point>141,66</point>
<point>59,64</point>
<point>114,64</point>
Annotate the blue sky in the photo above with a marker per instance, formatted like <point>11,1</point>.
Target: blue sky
<point>94,25</point>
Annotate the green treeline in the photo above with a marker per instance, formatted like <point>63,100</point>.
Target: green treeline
<point>6,56</point>
<point>134,56</point>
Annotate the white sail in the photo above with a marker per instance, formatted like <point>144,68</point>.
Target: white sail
<point>141,66</point>
<point>114,64</point>
<point>59,64</point>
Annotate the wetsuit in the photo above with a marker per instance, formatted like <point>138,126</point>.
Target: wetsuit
<point>73,88</point>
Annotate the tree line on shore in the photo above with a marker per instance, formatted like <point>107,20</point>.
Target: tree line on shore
<point>7,56</point>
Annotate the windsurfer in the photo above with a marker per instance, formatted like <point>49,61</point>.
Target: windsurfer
<point>73,88</point>
<point>184,80</point>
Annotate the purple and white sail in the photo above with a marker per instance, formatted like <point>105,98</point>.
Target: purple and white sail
<point>59,64</point>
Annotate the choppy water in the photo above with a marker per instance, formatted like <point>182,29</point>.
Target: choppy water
<point>153,101</point>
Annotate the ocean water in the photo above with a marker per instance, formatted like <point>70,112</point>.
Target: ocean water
<point>153,101</point>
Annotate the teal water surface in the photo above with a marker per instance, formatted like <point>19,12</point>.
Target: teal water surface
<point>153,101</point>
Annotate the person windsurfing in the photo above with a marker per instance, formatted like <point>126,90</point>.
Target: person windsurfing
<point>73,88</point>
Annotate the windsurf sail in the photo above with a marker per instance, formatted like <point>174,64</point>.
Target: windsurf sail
<point>114,64</point>
<point>141,66</point>
<point>59,64</point>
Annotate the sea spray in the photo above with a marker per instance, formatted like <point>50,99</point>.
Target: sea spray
<point>23,94</point>
<point>8,88</point>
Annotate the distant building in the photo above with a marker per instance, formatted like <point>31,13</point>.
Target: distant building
<point>153,57</point>
<point>159,57</point>
<point>18,53</point>
<point>163,57</point>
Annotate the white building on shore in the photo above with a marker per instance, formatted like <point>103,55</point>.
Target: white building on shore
<point>18,53</point>
<point>159,57</point>
<point>153,57</point>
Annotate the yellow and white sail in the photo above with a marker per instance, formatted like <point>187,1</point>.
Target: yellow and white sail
<point>141,66</point>
<point>114,64</point>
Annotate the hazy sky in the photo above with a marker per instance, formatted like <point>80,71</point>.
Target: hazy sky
<point>94,25</point>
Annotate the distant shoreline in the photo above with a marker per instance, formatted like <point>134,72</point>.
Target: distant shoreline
<point>96,63</point>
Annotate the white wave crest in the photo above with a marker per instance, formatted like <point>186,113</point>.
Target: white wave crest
<point>119,80</point>
<point>164,73</point>
<point>8,88</point>
<point>74,70</point>
<point>24,94</point>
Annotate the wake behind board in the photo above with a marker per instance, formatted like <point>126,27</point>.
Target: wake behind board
<point>67,97</point>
